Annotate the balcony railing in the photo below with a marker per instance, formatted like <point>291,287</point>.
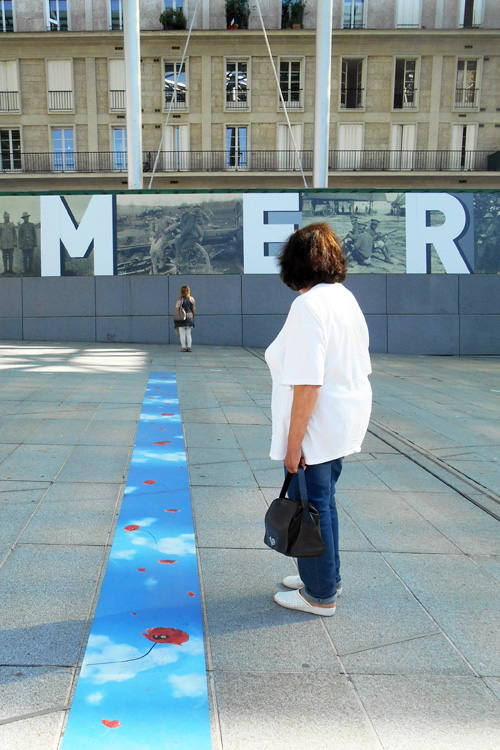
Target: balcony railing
<point>178,99</point>
<point>117,99</point>
<point>251,161</point>
<point>292,97</point>
<point>466,98</point>
<point>351,98</point>
<point>9,101</point>
<point>60,101</point>
<point>237,99</point>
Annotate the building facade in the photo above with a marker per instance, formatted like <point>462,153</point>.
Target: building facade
<point>415,100</point>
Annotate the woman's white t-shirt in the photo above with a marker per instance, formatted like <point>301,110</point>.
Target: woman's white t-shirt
<point>324,342</point>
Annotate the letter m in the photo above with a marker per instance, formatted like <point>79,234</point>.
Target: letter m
<point>59,232</point>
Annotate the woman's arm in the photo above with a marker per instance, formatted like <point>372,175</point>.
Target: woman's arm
<point>305,399</point>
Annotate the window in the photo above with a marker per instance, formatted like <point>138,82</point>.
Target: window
<point>351,92</point>
<point>175,87</point>
<point>116,15</point>
<point>403,140</point>
<point>408,14</point>
<point>120,149</point>
<point>117,85</point>
<point>463,143</point>
<point>237,93</point>
<point>57,15</point>
<point>60,85</point>
<point>9,86</point>
<point>471,13</point>
<point>177,156</point>
<point>405,93</point>
<point>287,158</point>
<point>354,14</point>
<point>350,146</point>
<point>465,88</point>
<point>63,149</point>
<point>236,147</point>
<point>290,83</point>
<point>10,150</point>
<point>6,16</point>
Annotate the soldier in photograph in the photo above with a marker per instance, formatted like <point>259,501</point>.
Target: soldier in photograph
<point>357,244</point>
<point>378,242</point>
<point>8,242</point>
<point>27,241</point>
<point>192,229</point>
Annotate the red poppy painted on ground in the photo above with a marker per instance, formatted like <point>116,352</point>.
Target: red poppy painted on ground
<point>167,415</point>
<point>166,635</point>
<point>191,593</point>
<point>167,562</point>
<point>112,724</point>
<point>171,510</point>
<point>141,570</point>
<point>150,481</point>
<point>132,527</point>
<point>163,442</point>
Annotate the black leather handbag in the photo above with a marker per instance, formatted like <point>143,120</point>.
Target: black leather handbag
<point>292,526</point>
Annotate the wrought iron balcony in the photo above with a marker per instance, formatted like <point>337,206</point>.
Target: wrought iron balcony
<point>237,98</point>
<point>292,97</point>
<point>178,99</point>
<point>60,101</point>
<point>9,101</point>
<point>466,98</point>
<point>245,160</point>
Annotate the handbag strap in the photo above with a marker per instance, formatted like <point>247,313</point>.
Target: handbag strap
<point>302,487</point>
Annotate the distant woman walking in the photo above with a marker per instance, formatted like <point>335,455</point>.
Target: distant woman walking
<point>185,310</point>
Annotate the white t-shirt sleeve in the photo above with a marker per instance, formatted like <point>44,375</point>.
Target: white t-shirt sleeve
<point>304,347</point>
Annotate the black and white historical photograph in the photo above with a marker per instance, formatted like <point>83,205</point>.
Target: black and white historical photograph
<point>371,227</point>
<point>487,232</point>
<point>179,234</point>
<point>20,235</point>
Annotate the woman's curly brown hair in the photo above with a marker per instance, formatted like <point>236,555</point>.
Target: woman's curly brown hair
<point>310,256</point>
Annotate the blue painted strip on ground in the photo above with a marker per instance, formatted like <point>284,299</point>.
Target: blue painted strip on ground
<point>143,681</point>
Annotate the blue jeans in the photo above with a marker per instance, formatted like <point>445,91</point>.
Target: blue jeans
<point>321,575</point>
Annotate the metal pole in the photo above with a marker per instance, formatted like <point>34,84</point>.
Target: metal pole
<point>132,48</point>
<point>324,15</point>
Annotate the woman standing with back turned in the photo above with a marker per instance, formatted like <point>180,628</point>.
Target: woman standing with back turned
<point>321,399</point>
<point>187,304</point>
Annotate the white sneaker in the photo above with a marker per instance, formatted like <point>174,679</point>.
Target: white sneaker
<point>295,600</point>
<point>295,582</point>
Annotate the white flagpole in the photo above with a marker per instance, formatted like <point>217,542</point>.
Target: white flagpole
<point>322,92</point>
<point>132,48</point>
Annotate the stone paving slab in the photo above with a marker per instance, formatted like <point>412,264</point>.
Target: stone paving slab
<point>463,599</point>
<point>293,711</point>
<point>36,462</point>
<point>38,733</point>
<point>246,629</point>
<point>74,514</point>
<point>45,597</point>
<point>228,517</point>
<point>95,463</point>
<point>392,524</point>
<point>26,690</point>
<point>438,712</point>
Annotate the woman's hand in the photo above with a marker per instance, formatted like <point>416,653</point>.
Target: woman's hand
<point>305,398</point>
<point>293,460</point>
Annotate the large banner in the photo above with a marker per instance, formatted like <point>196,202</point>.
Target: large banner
<point>235,233</point>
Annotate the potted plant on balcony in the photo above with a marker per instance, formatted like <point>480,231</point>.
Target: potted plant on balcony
<point>173,19</point>
<point>237,13</point>
<point>292,14</point>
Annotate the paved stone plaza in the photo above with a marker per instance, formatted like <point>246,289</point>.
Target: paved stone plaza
<point>411,659</point>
